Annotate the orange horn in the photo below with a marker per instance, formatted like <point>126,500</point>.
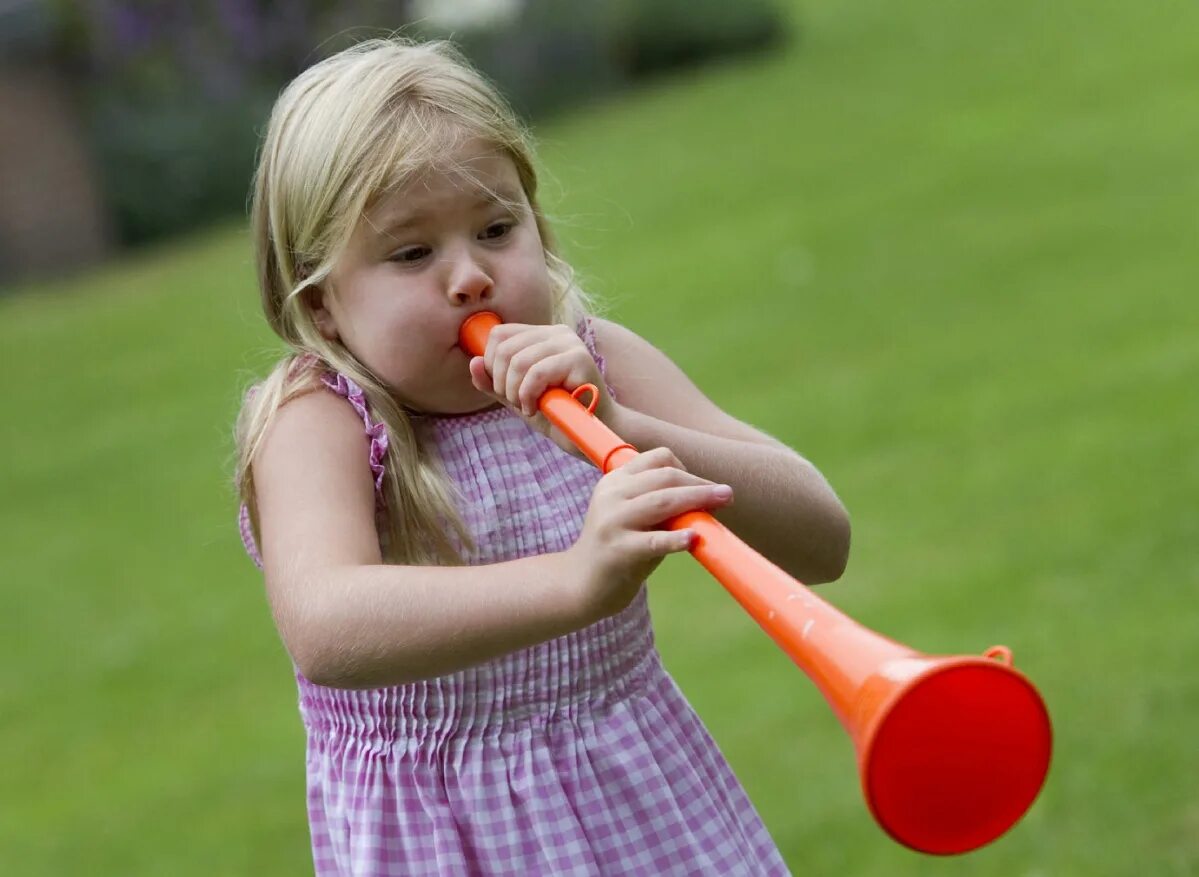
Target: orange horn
<point>952,751</point>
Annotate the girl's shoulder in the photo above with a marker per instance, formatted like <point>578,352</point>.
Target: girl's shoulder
<point>317,412</point>
<point>605,335</point>
<point>649,381</point>
<point>330,416</point>
<point>609,343</point>
<point>313,487</point>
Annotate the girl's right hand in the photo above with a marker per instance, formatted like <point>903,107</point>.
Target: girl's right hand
<point>619,545</point>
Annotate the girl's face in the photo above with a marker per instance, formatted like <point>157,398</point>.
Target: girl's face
<point>422,260</point>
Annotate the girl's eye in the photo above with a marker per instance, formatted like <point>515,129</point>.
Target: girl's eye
<point>409,255</point>
<point>496,230</point>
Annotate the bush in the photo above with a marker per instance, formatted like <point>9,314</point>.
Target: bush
<point>176,96</point>
<point>551,55</point>
<point>554,54</point>
<point>170,165</point>
<point>664,35</point>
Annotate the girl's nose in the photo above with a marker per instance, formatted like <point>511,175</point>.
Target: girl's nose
<point>468,282</point>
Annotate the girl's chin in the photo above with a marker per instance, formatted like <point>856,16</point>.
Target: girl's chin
<point>470,401</point>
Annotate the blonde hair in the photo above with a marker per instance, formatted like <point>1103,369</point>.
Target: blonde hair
<point>343,133</point>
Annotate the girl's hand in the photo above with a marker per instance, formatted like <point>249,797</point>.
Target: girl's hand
<point>619,545</point>
<point>523,361</point>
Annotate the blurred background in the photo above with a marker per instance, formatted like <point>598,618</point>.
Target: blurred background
<point>946,251</point>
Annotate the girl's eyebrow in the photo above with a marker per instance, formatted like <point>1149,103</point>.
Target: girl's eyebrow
<point>400,221</point>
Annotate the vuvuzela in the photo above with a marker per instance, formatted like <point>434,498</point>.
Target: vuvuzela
<point>952,750</point>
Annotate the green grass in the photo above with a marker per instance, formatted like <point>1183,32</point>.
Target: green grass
<point>945,250</point>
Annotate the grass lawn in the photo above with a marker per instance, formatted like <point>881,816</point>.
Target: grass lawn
<point>946,250</point>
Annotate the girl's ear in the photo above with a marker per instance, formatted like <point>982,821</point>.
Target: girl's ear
<point>315,299</point>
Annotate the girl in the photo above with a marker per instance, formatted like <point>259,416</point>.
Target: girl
<point>461,594</point>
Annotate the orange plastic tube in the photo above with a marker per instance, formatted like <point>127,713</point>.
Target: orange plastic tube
<point>952,750</point>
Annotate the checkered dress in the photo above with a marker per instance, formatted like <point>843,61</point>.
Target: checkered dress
<point>578,756</point>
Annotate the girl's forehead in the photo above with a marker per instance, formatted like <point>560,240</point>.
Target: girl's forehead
<point>481,175</point>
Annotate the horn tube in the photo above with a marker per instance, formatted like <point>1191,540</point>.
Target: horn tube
<point>952,750</point>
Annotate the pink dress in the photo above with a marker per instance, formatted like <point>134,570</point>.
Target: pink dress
<point>578,756</point>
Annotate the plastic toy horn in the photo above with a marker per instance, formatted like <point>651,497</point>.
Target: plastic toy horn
<point>952,750</point>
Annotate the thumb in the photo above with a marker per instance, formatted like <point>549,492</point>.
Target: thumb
<point>687,539</point>
<point>480,378</point>
<point>663,542</point>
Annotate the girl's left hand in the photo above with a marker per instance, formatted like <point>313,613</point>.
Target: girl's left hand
<point>523,361</point>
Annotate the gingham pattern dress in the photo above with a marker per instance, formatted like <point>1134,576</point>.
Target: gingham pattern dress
<point>578,756</point>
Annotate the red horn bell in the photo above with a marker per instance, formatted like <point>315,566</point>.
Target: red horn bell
<point>951,750</point>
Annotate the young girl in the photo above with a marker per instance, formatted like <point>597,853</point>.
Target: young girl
<point>462,595</point>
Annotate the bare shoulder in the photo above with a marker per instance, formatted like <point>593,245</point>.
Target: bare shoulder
<point>647,380</point>
<point>313,488</point>
<point>635,367</point>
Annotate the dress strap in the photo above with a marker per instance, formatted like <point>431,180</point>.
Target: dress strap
<point>376,431</point>
<point>586,331</point>
<point>247,535</point>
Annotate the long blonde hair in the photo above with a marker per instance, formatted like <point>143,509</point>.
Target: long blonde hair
<point>343,133</point>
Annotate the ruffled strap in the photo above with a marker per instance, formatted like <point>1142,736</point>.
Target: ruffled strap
<point>586,330</point>
<point>247,535</point>
<point>376,432</point>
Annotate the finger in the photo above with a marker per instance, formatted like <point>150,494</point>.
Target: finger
<point>507,338</point>
<point>553,371</point>
<point>521,364</point>
<point>498,371</point>
<point>639,483</point>
<point>499,353</point>
<point>511,354</point>
<point>631,485</point>
<point>661,505</point>
<point>627,481</point>
<point>498,335</point>
<point>502,333</point>
<point>654,459</point>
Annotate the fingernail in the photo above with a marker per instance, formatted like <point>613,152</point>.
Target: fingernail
<point>722,491</point>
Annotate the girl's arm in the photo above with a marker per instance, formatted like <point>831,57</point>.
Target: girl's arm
<point>351,621</point>
<point>347,619</point>
<point>782,506</point>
